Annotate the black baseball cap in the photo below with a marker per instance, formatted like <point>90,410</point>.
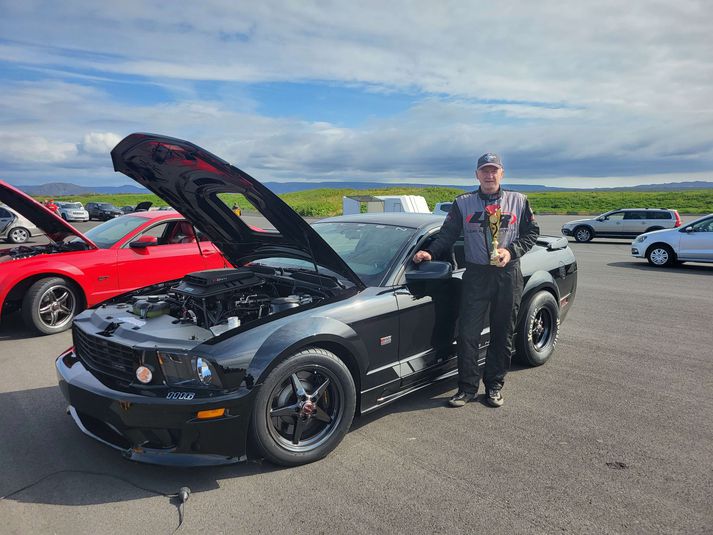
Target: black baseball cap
<point>489,158</point>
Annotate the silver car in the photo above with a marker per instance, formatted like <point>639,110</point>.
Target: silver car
<point>692,242</point>
<point>72,211</point>
<point>14,227</point>
<point>622,223</point>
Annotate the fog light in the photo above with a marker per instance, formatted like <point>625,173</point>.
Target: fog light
<point>144,374</point>
<point>212,413</point>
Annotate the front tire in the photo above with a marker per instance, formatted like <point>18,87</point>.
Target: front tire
<point>304,408</point>
<point>583,234</point>
<point>50,305</point>
<point>18,235</point>
<point>660,255</point>
<point>538,329</point>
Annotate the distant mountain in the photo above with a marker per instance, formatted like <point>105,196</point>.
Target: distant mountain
<point>693,184</point>
<point>288,187</point>
<point>57,189</point>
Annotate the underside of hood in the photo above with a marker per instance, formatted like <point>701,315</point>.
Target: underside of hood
<point>56,228</point>
<point>190,179</point>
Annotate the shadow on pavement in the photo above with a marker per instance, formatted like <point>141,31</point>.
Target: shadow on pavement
<point>13,328</point>
<point>680,268</point>
<point>40,439</point>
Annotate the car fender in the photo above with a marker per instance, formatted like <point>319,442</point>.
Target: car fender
<point>304,332</point>
<point>540,280</point>
<point>11,278</point>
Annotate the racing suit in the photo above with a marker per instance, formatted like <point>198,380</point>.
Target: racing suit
<point>486,287</point>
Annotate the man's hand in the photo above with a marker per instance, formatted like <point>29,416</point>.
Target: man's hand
<point>505,257</point>
<point>421,256</point>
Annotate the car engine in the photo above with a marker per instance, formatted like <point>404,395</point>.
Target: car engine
<point>222,299</point>
<point>25,251</point>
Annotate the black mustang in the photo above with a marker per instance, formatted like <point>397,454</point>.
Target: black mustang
<point>312,325</point>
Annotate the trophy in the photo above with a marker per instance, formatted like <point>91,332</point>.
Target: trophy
<point>494,212</point>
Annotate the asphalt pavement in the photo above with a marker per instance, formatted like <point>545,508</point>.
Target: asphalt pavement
<point>613,435</point>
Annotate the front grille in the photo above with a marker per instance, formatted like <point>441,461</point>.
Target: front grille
<point>105,356</point>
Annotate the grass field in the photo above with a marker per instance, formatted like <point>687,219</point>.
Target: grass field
<point>328,202</point>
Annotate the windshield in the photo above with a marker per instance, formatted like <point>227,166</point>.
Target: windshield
<point>369,249</point>
<point>72,205</point>
<point>106,206</point>
<point>107,234</point>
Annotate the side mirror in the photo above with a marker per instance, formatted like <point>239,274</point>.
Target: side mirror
<point>687,229</point>
<point>602,218</point>
<point>143,242</point>
<point>429,271</point>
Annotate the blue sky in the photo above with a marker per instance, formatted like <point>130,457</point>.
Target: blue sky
<point>579,94</point>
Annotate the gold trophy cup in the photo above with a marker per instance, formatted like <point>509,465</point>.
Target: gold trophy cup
<point>494,225</point>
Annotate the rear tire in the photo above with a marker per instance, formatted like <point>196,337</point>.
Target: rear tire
<point>538,329</point>
<point>660,255</point>
<point>18,235</point>
<point>583,234</point>
<point>49,306</point>
<point>304,408</point>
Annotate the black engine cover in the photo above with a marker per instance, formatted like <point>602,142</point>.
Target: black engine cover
<point>216,281</point>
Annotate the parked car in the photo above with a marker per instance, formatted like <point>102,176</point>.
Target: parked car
<point>313,325</point>
<point>692,242</point>
<point>72,211</point>
<point>141,207</point>
<point>622,223</point>
<point>102,211</point>
<point>442,208</point>
<point>14,227</point>
<point>50,283</point>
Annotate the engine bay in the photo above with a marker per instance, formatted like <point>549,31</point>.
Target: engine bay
<point>26,251</point>
<point>207,303</point>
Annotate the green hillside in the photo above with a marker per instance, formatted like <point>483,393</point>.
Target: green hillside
<point>328,202</point>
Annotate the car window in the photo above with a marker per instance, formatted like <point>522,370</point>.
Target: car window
<point>635,214</point>
<point>369,249</point>
<point>5,214</point>
<point>659,214</point>
<point>616,216</point>
<point>703,226</point>
<point>112,231</point>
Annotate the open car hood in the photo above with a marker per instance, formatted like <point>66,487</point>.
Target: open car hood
<point>190,178</point>
<point>56,228</point>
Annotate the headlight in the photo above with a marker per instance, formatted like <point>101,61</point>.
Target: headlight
<point>641,238</point>
<point>188,370</point>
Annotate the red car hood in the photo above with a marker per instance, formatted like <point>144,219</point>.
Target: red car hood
<point>190,179</point>
<point>56,228</point>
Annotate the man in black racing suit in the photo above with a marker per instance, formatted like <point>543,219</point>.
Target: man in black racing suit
<point>497,286</point>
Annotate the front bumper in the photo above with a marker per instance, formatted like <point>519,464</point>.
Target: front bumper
<point>638,250</point>
<point>566,232</point>
<point>154,429</point>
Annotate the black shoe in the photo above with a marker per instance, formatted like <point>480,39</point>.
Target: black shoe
<point>494,397</point>
<point>461,398</point>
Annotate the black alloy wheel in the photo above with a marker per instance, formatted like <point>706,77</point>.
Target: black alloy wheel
<point>583,234</point>
<point>50,305</point>
<point>660,255</point>
<point>18,235</point>
<point>538,329</point>
<point>304,408</point>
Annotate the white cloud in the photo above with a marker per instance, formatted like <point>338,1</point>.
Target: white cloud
<point>100,142</point>
<point>561,89</point>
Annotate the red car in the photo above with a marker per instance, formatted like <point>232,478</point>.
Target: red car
<point>51,282</point>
